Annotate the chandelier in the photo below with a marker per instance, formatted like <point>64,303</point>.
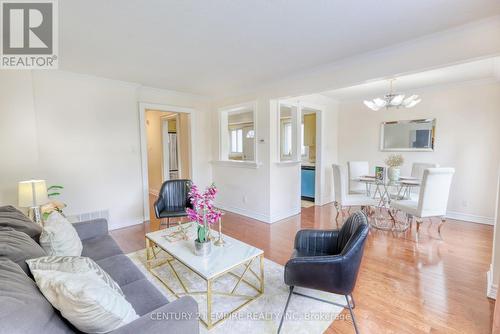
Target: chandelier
<point>393,100</point>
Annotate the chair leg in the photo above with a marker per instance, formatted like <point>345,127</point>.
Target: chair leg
<point>352,313</point>
<point>353,304</point>
<point>168,222</point>
<point>443,220</point>
<point>338,207</point>
<point>419,222</point>
<point>286,307</point>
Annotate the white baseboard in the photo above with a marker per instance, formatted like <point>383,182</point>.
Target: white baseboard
<point>325,201</point>
<point>285,214</point>
<point>133,222</point>
<point>491,288</point>
<point>244,212</point>
<point>269,219</point>
<point>470,218</point>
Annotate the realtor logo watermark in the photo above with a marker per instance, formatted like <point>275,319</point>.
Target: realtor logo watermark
<point>29,34</point>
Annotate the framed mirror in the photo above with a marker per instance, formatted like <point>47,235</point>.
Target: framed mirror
<point>413,135</point>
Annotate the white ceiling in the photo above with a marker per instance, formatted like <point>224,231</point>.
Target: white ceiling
<point>472,71</point>
<point>220,47</point>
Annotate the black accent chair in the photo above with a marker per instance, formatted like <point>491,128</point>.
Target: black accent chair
<point>328,260</point>
<point>173,200</point>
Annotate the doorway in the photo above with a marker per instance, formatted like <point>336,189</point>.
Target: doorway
<point>166,149</point>
<point>309,148</point>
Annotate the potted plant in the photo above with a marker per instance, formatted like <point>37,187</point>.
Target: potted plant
<point>204,214</point>
<point>394,161</point>
<point>53,204</point>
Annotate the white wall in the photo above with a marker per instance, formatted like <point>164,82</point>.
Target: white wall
<point>18,133</point>
<point>253,191</point>
<point>83,132</point>
<point>467,130</point>
<point>244,187</point>
<point>286,177</point>
<point>270,191</point>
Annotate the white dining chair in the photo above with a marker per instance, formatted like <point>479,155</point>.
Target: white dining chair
<point>418,168</point>
<point>432,199</point>
<point>417,172</point>
<point>344,200</point>
<point>356,169</point>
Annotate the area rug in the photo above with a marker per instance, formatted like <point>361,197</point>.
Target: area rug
<point>259,316</point>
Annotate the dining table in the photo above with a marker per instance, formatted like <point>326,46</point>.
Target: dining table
<point>387,190</point>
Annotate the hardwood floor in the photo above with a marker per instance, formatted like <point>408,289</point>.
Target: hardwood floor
<point>404,286</point>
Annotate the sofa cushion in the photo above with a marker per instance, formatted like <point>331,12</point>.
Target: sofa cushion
<point>18,247</point>
<point>121,269</point>
<point>73,264</point>
<point>23,309</point>
<point>100,248</point>
<point>85,300</point>
<point>8,208</point>
<point>59,237</point>
<point>11,217</point>
<point>143,296</point>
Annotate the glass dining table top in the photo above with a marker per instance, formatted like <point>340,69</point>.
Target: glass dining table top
<point>403,180</point>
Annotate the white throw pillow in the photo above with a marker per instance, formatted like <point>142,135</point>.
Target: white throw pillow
<point>85,300</point>
<point>73,264</point>
<point>59,237</point>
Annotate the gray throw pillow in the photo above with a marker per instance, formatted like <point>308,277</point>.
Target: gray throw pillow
<point>18,247</point>
<point>23,308</point>
<point>11,217</point>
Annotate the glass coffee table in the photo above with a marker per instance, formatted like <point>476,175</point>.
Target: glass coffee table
<point>223,260</point>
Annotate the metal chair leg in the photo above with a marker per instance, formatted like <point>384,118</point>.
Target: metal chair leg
<point>419,222</point>
<point>286,307</point>
<point>338,212</point>
<point>443,220</point>
<point>352,301</point>
<point>352,313</point>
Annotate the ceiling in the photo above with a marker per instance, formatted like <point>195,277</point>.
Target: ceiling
<point>471,71</point>
<point>220,47</point>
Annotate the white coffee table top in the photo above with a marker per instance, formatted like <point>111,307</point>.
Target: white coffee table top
<point>220,260</point>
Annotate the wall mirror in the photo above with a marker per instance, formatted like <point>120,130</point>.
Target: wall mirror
<point>287,132</point>
<point>413,135</point>
<point>238,133</point>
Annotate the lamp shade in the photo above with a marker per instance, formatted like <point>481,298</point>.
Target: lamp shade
<point>32,193</point>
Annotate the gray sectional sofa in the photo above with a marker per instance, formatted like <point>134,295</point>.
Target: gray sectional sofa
<point>23,308</point>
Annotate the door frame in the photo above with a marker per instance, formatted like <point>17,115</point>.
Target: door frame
<point>165,148</point>
<point>318,109</point>
<point>143,107</point>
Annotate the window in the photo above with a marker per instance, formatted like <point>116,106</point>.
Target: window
<point>236,141</point>
<point>287,139</point>
<point>238,133</point>
<point>287,131</point>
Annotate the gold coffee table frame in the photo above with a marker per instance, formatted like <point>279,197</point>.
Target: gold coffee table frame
<point>151,256</point>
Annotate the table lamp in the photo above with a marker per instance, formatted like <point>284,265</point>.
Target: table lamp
<point>32,194</point>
